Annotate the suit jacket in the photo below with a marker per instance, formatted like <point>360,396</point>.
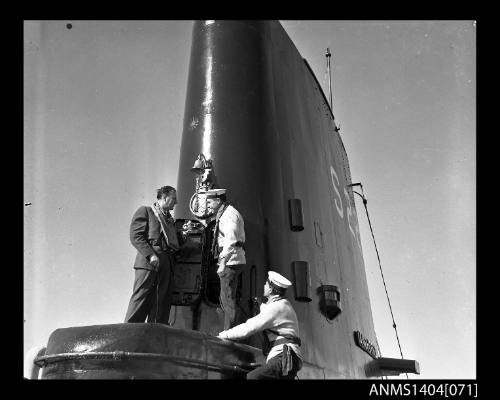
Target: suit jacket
<point>145,232</point>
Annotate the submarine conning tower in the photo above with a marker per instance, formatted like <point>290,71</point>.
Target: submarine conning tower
<point>255,115</point>
<point>228,118</point>
<point>256,110</point>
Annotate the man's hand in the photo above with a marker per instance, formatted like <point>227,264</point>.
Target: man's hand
<point>222,335</point>
<point>154,261</point>
<point>221,271</point>
<point>255,303</point>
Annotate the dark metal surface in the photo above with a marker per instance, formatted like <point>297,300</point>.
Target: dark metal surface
<point>143,351</point>
<point>384,366</point>
<point>124,356</point>
<point>188,269</point>
<point>398,365</point>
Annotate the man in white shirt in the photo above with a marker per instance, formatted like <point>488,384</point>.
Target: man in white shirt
<point>278,321</point>
<point>227,247</point>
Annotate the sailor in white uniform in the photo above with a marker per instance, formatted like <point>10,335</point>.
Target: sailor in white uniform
<point>278,321</point>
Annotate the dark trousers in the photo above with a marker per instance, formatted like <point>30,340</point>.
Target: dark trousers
<point>228,287</point>
<point>152,293</point>
<point>272,369</point>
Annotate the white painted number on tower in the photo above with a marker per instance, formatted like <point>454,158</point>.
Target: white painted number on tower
<point>337,200</point>
<point>351,211</point>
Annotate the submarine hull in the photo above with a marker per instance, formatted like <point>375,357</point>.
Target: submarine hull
<point>143,351</point>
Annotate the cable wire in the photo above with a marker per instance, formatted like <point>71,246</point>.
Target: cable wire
<point>380,267</point>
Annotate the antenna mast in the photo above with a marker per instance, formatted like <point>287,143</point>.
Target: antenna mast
<point>328,55</point>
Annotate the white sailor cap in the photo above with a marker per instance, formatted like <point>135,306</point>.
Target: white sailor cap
<point>213,193</point>
<point>279,280</point>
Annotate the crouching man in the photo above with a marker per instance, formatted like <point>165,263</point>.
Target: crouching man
<point>278,322</point>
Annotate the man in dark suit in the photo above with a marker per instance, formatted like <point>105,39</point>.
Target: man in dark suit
<point>153,234</point>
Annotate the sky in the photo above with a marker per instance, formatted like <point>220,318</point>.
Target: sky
<point>103,117</point>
